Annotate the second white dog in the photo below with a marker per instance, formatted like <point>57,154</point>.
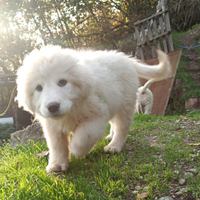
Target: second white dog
<point>144,101</point>
<point>80,92</point>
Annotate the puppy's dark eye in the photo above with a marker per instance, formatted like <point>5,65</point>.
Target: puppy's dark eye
<point>62,82</point>
<point>39,88</point>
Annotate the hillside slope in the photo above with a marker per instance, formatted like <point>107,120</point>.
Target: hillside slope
<point>187,82</point>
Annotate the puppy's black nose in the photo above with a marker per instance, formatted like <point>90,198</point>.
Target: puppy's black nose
<point>53,107</point>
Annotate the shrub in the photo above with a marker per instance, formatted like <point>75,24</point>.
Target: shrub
<point>184,14</point>
<point>5,131</point>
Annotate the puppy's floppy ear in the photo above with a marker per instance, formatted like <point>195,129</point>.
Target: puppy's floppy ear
<point>86,87</point>
<point>82,79</point>
<point>24,90</point>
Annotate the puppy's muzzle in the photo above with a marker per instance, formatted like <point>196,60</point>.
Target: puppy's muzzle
<point>53,107</point>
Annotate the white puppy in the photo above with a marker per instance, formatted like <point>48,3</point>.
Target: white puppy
<point>144,101</point>
<point>80,92</point>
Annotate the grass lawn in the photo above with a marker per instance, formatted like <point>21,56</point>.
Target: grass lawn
<point>156,155</point>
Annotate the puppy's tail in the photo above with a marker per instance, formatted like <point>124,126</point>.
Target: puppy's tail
<point>156,72</point>
<point>147,85</point>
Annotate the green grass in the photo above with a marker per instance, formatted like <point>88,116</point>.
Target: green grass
<point>109,176</point>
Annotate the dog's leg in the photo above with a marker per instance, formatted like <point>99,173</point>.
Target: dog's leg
<point>110,136</point>
<point>148,104</point>
<point>141,109</point>
<point>86,136</point>
<point>59,152</point>
<point>147,109</point>
<point>137,109</point>
<point>121,128</point>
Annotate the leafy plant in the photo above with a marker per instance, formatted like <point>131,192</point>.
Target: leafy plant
<point>5,131</point>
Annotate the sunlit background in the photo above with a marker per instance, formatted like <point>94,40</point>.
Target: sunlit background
<point>28,24</point>
<point>101,24</point>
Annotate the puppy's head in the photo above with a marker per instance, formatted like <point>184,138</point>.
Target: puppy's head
<point>51,81</point>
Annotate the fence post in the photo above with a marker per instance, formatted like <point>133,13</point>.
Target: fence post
<point>164,4</point>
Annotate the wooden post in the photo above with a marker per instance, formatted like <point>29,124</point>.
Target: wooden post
<point>139,43</point>
<point>151,41</point>
<point>164,5</point>
<point>169,35</point>
<point>167,25</point>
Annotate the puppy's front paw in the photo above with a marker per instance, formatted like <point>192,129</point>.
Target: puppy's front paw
<point>56,168</point>
<point>112,148</point>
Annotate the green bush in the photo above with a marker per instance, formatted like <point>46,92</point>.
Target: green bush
<point>184,14</point>
<point>5,131</point>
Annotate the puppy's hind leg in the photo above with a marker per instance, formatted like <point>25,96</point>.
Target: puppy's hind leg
<point>86,136</point>
<point>121,128</point>
<point>110,136</point>
<point>148,109</point>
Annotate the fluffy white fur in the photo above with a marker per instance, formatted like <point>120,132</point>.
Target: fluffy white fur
<point>101,87</point>
<point>144,101</point>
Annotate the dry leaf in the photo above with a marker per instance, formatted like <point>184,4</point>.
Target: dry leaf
<point>142,196</point>
<point>192,155</point>
<point>42,155</point>
<point>194,144</point>
<point>183,117</point>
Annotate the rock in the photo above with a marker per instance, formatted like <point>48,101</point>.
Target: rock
<point>182,181</point>
<point>146,188</point>
<point>194,171</point>
<point>1,143</point>
<point>175,190</point>
<point>192,103</point>
<point>188,174</point>
<point>137,187</point>
<point>176,172</point>
<point>183,190</point>
<point>165,198</point>
<point>32,132</point>
<point>178,194</point>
